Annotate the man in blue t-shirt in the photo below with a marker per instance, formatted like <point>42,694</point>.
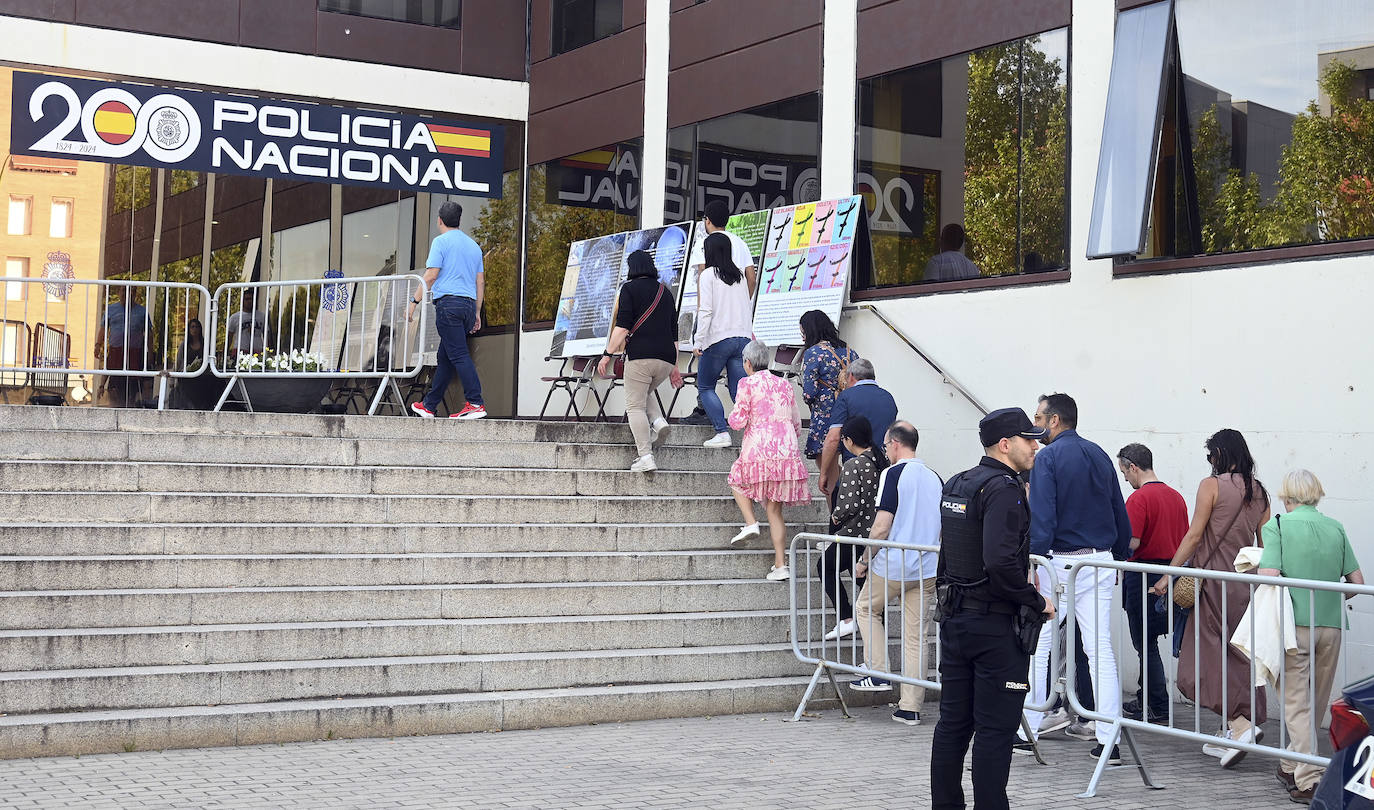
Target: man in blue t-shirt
<point>863,398</point>
<point>454,275</point>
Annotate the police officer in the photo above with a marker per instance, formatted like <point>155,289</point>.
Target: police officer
<point>986,607</point>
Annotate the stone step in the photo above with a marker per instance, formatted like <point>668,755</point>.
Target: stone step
<point>284,570</point>
<point>86,647</point>
<point>230,448</point>
<point>153,607</point>
<point>167,507</point>
<point>105,731</point>
<point>88,539</point>
<point>263,682</point>
<point>28,418</point>
<point>125,476</point>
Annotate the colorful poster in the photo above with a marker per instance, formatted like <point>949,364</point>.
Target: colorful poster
<point>595,270</point>
<point>752,227</point>
<point>810,251</point>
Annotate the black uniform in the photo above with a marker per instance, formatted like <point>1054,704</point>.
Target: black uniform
<point>982,575</point>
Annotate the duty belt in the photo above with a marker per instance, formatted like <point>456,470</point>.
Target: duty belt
<point>981,606</point>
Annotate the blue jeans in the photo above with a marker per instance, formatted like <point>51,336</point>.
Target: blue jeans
<point>725,355</point>
<point>454,317</point>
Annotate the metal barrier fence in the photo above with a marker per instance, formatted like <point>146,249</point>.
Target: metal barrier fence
<point>1215,657</point>
<point>317,329</point>
<point>815,639</point>
<point>112,334</point>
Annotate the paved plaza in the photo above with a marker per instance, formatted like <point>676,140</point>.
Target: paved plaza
<point>744,761</point>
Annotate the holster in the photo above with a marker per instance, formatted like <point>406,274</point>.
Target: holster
<point>947,599</point>
<point>1027,623</point>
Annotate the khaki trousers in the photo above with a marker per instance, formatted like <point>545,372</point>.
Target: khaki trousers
<point>1315,659</point>
<point>917,606</point>
<point>641,378</point>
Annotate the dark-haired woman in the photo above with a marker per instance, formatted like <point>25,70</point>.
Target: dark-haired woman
<point>823,360</point>
<point>725,323</point>
<point>856,499</point>
<point>1231,507</point>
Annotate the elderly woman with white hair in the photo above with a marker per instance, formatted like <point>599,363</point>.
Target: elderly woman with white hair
<point>1305,544</point>
<point>770,466</point>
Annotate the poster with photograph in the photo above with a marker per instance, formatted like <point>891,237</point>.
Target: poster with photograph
<point>596,267</point>
<point>752,227</point>
<point>809,253</point>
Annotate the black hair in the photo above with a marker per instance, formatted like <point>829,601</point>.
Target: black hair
<point>952,236</point>
<point>451,213</point>
<point>1063,406</point>
<point>717,212</point>
<point>717,254</point>
<point>1228,453</point>
<point>859,430</point>
<point>1137,454</point>
<point>816,327</point>
<point>640,263</point>
<point>904,434</point>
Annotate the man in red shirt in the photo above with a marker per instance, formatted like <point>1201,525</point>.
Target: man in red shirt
<point>1159,519</point>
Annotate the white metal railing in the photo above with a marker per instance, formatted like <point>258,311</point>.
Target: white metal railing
<point>811,621</point>
<point>318,329</point>
<point>111,334</point>
<point>1214,663</point>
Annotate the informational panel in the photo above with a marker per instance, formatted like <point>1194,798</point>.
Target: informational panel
<point>595,270</point>
<point>752,227</point>
<point>809,253</point>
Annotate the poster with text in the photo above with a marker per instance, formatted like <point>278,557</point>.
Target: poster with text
<point>809,254</point>
<point>596,267</point>
<point>752,227</point>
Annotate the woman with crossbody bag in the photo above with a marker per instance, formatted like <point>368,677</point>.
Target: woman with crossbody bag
<point>646,330</point>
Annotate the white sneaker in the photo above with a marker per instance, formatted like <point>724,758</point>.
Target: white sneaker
<point>752,530</point>
<point>1055,720</point>
<point>844,629</point>
<point>779,574</point>
<point>718,440</point>
<point>659,427</point>
<point>644,463</point>
<point>1218,751</point>
<point>1234,755</point>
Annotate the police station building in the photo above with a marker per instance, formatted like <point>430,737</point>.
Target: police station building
<point>1181,241</point>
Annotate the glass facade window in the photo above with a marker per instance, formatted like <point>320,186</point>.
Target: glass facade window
<point>582,22</point>
<point>443,13</point>
<point>495,226</point>
<point>764,157</point>
<point>1268,141</point>
<point>589,194</point>
<point>979,141</point>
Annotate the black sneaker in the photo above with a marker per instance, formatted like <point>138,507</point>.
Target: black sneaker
<point>909,718</point>
<point>1131,709</point>
<point>1113,759</point>
<point>696,417</point>
<point>1023,747</point>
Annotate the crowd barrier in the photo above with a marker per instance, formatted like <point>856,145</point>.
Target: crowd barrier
<point>810,622</point>
<point>112,335</point>
<point>1215,662</point>
<point>317,329</point>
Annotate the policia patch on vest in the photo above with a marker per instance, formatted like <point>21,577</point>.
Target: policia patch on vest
<point>954,507</point>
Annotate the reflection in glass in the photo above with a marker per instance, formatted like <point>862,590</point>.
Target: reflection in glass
<point>1268,132</point>
<point>979,140</point>
<point>589,194</point>
<point>445,13</point>
<point>582,22</point>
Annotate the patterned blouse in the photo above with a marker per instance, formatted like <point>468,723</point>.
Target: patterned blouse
<point>856,496</point>
<point>820,386</point>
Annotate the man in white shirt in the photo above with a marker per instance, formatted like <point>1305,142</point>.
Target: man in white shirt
<point>950,264</point>
<point>908,512</point>
<point>715,216</point>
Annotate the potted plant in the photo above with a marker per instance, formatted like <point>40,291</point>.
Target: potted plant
<point>284,394</point>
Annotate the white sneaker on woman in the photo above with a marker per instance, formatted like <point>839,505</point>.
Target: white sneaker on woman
<point>752,530</point>
<point>844,629</point>
<point>659,427</point>
<point>718,440</point>
<point>779,573</point>
<point>644,463</point>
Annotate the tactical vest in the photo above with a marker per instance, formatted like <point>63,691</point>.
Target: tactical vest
<point>961,525</point>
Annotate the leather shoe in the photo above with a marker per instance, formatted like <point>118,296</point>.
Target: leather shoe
<point>1286,779</point>
<point>1302,796</point>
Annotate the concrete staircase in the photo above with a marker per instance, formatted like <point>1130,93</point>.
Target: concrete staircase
<point>178,579</point>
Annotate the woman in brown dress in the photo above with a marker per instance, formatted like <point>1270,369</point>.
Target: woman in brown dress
<point>1231,507</point>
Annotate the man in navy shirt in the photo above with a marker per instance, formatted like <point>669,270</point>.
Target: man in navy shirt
<point>863,398</point>
<point>1077,514</point>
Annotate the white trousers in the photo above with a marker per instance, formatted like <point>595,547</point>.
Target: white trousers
<point>1092,607</point>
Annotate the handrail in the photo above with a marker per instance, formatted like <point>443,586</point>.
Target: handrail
<point>944,375</point>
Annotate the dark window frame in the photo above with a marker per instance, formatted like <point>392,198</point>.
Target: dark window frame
<point>607,19</point>
<point>341,7</point>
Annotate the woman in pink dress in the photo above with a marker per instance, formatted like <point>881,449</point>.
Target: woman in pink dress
<point>770,466</point>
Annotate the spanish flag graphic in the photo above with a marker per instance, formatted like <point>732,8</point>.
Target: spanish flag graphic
<point>461,141</point>
<point>114,122</point>
<point>599,159</point>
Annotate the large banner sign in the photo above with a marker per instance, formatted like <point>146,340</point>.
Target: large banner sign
<point>119,122</point>
<point>591,282</point>
<point>809,252</point>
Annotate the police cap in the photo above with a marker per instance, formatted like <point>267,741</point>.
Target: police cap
<point>1005,423</point>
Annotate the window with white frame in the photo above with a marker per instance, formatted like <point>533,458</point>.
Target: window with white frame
<point>21,215</point>
<point>15,267</point>
<point>60,226</point>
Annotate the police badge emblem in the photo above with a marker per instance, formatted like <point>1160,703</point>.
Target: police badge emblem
<point>58,267</point>
<point>170,128</point>
<point>334,297</point>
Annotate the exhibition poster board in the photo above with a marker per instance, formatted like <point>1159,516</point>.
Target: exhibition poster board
<point>591,281</point>
<point>752,227</point>
<point>811,250</point>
